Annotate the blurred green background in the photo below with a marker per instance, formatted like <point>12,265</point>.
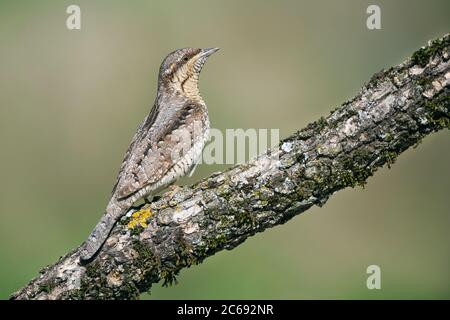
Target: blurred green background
<point>71,101</point>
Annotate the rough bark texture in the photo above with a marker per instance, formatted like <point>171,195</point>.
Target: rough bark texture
<point>392,113</point>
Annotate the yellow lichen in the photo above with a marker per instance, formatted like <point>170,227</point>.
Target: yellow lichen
<point>139,218</point>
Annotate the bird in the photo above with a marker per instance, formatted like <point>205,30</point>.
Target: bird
<point>166,146</point>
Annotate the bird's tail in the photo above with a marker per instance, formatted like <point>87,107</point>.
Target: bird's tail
<point>101,232</point>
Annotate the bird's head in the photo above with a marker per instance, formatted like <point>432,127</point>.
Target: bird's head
<point>180,71</point>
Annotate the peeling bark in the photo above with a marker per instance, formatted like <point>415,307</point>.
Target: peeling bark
<point>393,112</point>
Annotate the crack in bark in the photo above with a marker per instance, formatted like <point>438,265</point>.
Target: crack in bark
<point>392,113</point>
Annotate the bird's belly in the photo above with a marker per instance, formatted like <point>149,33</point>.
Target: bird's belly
<point>178,170</point>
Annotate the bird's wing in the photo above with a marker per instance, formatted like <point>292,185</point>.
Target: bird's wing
<point>156,147</point>
<point>138,136</point>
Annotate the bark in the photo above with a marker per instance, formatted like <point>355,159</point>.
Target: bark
<point>394,111</point>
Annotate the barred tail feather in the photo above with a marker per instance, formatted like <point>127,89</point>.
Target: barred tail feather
<point>100,233</point>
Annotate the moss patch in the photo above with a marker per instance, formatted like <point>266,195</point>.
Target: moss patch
<point>422,56</point>
<point>439,114</point>
<point>48,286</point>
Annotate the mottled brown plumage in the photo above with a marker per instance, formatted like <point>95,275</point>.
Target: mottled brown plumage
<point>167,144</point>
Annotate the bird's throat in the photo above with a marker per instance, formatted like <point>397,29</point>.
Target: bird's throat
<point>189,88</point>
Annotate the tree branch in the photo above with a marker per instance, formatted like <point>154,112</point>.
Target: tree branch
<point>393,112</point>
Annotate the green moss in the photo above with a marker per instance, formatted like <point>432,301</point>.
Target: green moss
<point>378,77</point>
<point>263,203</point>
<point>424,82</point>
<point>388,137</point>
<point>93,284</point>
<point>135,231</point>
<point>145,259</point>
<point>321,123</point>
<point>439,111</point>
<point>184,257</point>
<point>244,218</point>
<point>169,277</point>
<point>209,247</point>
<point>354,169</point>
<point>422,56</point>
<point>184,254</point>
<point>259,197</point>
<point>93,269</point>
<point>224,191</point>
<point>127,287</point>
<point>306,189</point>
<point>225,221</point>
<point>389,158</point>
<point>334,124</point>
<point>147,263</point>
<point>218,242</point>
<point>48,286</point>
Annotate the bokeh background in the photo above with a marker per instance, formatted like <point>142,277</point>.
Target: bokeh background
<point>70,102</point>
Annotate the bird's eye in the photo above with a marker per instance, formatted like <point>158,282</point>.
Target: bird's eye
<point>185,59</point>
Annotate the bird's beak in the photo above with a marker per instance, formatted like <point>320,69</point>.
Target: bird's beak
<point>205,53</point>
